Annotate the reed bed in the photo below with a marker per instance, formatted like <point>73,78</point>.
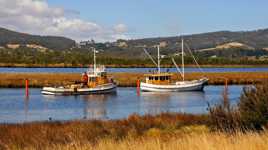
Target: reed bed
<point>12,80</point>
<point>192,141</point>
<point>162,132</point>
<point>49,134</point>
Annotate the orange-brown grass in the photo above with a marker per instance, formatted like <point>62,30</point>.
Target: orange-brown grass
<point>162,132</point>
<point>187,141</point>
<point>40,135</point>
<point>123,79</point>
<point>37,79</point>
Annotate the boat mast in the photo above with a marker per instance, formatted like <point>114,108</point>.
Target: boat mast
<point>94,69</point>
<point>158,63</point>
<point>182,58</point>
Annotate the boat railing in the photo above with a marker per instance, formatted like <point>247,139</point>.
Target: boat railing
<point>99,68</point>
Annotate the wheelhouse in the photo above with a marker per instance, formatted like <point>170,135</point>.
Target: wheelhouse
<point>97,78</point>
<point>160,79</point>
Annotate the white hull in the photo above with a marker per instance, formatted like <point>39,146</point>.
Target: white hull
<point>195,85</point>
<point>107,88</point>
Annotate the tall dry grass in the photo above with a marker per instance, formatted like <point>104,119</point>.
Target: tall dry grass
<point>162,132</point>
<point>189,141</point>
<point>38,135</point>
<point>37,79</point>
<point>123,79</point>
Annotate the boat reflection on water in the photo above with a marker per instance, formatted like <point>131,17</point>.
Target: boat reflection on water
<point>15,108</point>
<point>95,106</point>
<point>26,107</point>
<point>154,102</point>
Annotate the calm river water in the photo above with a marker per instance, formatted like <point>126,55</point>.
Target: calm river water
<point>15,108</point>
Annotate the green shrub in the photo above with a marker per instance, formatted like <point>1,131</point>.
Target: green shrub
<point>251,113</point>
<point>224,117</point>
<point>253,106</point>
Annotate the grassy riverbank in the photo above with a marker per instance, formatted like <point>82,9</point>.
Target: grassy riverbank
<point>12,80</point>
<point>83,133</point>
<point>165,131</point>
<point>200,140</point>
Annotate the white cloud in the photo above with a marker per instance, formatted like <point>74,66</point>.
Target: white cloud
<point>120,28</point>
<point>37,17</point>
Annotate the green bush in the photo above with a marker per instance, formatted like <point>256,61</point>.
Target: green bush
<point>251,113</point>
<point>224,117</point>
<point>253,106</point>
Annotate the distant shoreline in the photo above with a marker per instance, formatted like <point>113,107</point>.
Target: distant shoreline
<point>125,66</point>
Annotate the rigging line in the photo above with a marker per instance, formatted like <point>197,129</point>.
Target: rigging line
<point>187,46</point>
<point>178,69</point>
<point>146,52</point>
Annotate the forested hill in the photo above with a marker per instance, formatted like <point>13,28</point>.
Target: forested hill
<point>257,39</point>
<point>219,44</point>
<point>224,47</point>
<point>51,42</point>
<point>244,42</point>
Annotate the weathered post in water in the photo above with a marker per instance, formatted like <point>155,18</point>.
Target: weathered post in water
<point>26,88</point>
<point>226,84</point>
<point>138,87</point>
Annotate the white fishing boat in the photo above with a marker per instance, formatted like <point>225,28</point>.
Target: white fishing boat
<point>161,81</point>
<point>94,81</point>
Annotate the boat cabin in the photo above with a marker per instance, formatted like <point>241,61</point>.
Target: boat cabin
<point>97,79</point>
<point>159,78</point>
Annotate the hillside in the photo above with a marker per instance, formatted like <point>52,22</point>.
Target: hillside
<point>50,42</point>
<point>257,39</point>
<point>214,44</point>
<point>249,40</point>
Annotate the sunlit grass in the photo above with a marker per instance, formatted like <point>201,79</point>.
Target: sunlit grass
<point>194,141</point>
<point>123,79</point>
<point>38,135</point>
<point>163,132</point>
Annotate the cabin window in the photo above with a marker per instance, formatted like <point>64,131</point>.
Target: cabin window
<point>156,78</point>
<point>150,78</point>
<point>103,74</point>
<point>162,78</point>
<point>92,79</point>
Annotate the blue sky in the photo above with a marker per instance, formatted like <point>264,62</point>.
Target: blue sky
<point>152,18</point>
<point>109,20</point>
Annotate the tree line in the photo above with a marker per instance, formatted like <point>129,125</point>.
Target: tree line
<point>84,57</point>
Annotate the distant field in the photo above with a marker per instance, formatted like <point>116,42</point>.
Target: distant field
<point>123,79</point>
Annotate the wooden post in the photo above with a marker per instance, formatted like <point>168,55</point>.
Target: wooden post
<point>138,87</point>
<point>226,83</point>
<point>27,88</point>
<point>138,83</point>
